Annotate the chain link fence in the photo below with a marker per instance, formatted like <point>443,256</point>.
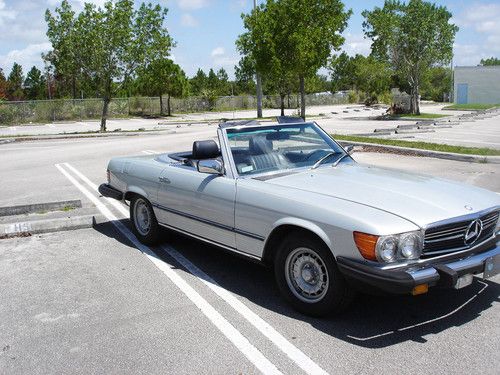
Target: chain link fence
<point>44,111</point>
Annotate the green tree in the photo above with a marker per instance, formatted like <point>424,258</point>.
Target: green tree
<point>244,73</point>
<point>317,83</point>
<point>224,86</point>
<point>293,36</point>
<point>198,83</point>
<point>112,42</point>
<point>372,77</point>
<point>62,31</point>
<point>3,86</point>
<point>342,70</point>
<point>412,37</point>
<point>35,84</point>
<point>212,81</point>
<point>163,77</point>
<point>490,62</point>
<point>368,75</point>
<point>436,83</point>
<point>15,83</point>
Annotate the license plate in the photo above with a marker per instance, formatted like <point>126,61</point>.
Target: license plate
<point>491,267</point>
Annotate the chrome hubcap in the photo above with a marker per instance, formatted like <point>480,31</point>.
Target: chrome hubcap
<point>142,217</point>
<point>306,275</point>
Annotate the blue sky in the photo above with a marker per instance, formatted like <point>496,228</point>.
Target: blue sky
<point>205,30</point>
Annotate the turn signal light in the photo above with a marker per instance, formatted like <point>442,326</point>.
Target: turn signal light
<point>420,289</point>
<point>366,244</point>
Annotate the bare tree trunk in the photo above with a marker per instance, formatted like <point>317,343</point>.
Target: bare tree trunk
<point>288,100</point>
<point>169,109</point>
<point>105,107</point>
<point>282,104</point>
<point>302,97</point>
<point>161,105</point>
<point>104,113</point>
<point>417,103</point>
<point>259,96</point>
<point>73,86</point>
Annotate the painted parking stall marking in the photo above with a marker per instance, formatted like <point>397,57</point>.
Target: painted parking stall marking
<point>291,351</point>
<point>240,341</point>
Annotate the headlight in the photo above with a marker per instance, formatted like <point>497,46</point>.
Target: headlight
<point>410,245</point>
<point>388,249</point>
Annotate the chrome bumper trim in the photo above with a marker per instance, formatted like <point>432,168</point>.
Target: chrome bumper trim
<point>472,263</point>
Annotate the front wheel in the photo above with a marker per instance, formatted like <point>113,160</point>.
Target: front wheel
<point>144,223</point>
<point>308,277</point>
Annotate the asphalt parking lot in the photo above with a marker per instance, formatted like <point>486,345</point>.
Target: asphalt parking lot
<point>94,301</point>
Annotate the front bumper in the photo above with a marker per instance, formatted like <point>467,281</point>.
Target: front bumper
<point>444,273</point>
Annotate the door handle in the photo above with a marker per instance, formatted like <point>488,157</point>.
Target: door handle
<point>165,180</point>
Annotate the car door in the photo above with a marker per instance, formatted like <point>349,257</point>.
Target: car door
<point>197,203</point>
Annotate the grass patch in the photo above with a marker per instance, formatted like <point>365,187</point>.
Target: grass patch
<point>422,115</point>
<point>421,145</point>
<point>471,106</point>
<point>67,208</point>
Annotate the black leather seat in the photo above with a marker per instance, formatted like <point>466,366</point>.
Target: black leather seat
<point>205,150</point>
<point>263,156</point>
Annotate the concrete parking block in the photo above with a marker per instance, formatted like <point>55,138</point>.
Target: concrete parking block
<point>48,226</point>
<point>40,207</point>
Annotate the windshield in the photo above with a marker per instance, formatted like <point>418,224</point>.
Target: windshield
<point>281,147</point>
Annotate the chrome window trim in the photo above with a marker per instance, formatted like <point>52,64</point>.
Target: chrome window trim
<point>222,133</point>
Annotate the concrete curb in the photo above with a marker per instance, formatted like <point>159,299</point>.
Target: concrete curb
<point>24,138</point>
<point>39,207</point>
<point>426,153</point>
<point>21,229</point>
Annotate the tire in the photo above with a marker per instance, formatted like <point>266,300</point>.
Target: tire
<point>317,287</point>
<point>144,223</point>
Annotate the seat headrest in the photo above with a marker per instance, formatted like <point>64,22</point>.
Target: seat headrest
<point>205,150</point>
<point>260,145</point>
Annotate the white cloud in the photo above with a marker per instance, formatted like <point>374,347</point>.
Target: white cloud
<point>6,13</point>
<point>192,4</point>
<point>220,59</point>
<point>27,57</point>
<point>188,20</point>
<point>356,44</point>
<point>482,21</point>
<point>219,51</point>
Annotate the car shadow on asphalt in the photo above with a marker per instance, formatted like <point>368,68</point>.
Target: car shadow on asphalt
<point>371,321</point>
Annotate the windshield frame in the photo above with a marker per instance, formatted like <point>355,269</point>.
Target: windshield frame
<point>320,130</point>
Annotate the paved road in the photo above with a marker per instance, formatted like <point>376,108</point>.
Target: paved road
<point>90,301</point>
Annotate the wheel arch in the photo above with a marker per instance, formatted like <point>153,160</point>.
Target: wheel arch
<point>134,191</point>
<point>285,226</point>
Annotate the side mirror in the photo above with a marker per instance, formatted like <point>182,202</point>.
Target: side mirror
<point>210,166</point>
<point>349,149</point>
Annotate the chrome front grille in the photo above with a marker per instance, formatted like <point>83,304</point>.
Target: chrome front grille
<point>448,238</point>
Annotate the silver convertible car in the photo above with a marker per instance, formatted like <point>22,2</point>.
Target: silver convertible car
<point>289,196</point>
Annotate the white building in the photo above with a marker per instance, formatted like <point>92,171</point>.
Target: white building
<point>477,84</point>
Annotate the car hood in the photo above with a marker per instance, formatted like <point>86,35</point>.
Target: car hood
<point>417,198</point>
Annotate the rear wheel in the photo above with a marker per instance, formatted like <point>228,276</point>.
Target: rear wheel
<point>144,223</point>
<point>308,277</point>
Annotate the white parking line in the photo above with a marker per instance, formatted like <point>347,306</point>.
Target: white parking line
<point>151,152</point>
<point>295,354</point>
<point>240,341</point>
